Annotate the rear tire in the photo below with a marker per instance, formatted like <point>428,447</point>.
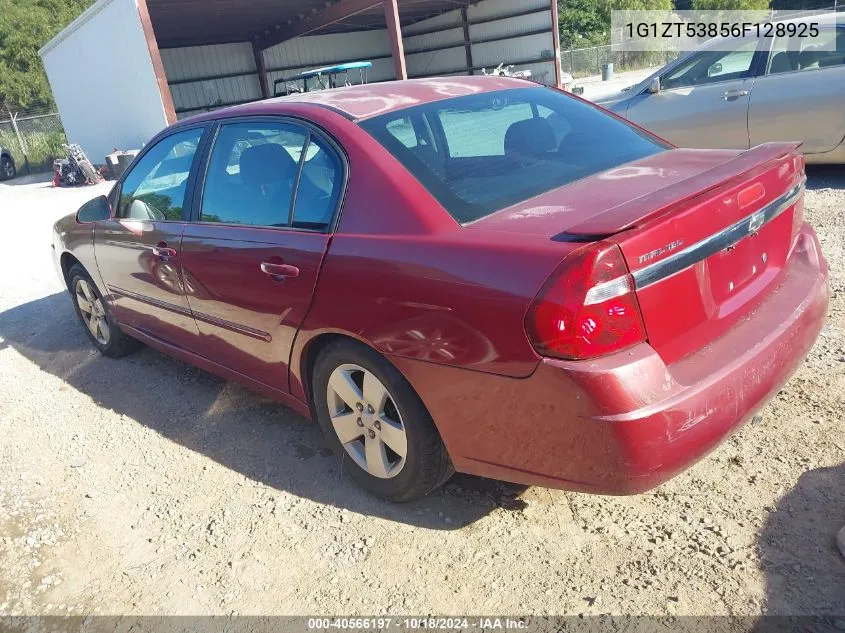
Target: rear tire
<point>377,422</point>
<point>7,168</point>
<point>94,314</point>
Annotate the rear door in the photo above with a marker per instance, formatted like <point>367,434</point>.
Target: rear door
<point>703,102</point>
<point>139,248</point>
<point>801,95</point>
<point>261,225</point>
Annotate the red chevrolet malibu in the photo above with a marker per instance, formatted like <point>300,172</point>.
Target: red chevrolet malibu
<point>473,274</point>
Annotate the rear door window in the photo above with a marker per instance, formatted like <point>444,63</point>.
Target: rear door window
<point>272,174</point>
<point>499,148</point>
<point>252,174</point>
<point>793,54</point>
<point>320,186</point>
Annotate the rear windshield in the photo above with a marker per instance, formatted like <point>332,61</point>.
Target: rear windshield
<point>481,153</point>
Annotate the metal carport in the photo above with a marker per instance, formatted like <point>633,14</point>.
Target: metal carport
<point>154,61</point>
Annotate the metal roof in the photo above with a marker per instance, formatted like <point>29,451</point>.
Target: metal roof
<point>196,22</point>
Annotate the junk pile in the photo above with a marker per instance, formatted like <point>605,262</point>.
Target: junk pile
<point>75,170</point>
<point>502,70</point>
<point>507,71</point>
<point>118,161</point>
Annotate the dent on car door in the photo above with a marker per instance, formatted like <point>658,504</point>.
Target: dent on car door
<point>252,255</point>
<point>801,95</point>
<point>137,249</point>
<point>703,101</point>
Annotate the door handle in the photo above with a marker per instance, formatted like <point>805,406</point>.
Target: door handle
<point>734,94</point>
<point>163,251</point>
<point>279,272</point>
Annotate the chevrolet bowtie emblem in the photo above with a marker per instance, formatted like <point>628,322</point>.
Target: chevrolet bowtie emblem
<point>757,220</point>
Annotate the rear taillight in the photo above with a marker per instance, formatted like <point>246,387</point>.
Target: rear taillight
<point>588,308</point>
<point>798,209</point>
<point>797,219</point>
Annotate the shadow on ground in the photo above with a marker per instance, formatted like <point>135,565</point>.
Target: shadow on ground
<point>825,177</point>
<point>257,437</point>
<point>805,573</point>
<point>45,178</point>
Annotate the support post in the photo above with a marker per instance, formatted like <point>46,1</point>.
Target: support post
<point>394,32</point>
<point>467,41</point>
<point>556,44</point>
<point>261,69</point>
<point>18,133</point>
<point>158,65</point>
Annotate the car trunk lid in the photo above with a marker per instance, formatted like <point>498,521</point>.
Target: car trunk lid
<point>702,262</point>
<point>704,234</point>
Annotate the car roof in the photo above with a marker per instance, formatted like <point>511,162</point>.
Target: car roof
<point>369,100</point>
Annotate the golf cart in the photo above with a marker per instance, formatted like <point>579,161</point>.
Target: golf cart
<point>321,79</point>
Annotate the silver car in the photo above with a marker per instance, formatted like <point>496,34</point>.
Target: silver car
<point>762,90</point>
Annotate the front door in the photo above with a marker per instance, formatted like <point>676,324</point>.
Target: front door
<point>703,102</point>
<point>138,248</point>
<point>251,257</point>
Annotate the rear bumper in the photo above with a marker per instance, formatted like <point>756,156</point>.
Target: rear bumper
<point>628,422</point>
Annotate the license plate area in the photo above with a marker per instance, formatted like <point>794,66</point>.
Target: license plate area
<point>739,272</point>
<point>737,266</point>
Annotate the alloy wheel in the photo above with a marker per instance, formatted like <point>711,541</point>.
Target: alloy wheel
<point>93,312</point>
<point>367,421</point>
<point>8,169</point>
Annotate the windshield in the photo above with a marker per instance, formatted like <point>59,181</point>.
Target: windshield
<point>482,153</point>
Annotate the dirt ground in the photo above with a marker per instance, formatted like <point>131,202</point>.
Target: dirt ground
<point>145,486</point>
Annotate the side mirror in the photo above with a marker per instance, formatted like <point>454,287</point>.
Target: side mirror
<point>654,86</point>
<point>94,210</point>
<point>715,69</point>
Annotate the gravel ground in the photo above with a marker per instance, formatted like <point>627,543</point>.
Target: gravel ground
<point>145,486</point>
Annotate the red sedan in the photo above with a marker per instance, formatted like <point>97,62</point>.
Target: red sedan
<point>473,274</point>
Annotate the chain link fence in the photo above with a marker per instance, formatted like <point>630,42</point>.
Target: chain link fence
<point>34,138</point>
<point>587,62</point>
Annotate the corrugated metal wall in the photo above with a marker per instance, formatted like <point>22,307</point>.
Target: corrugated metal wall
<point>202,77</point>
<point>517,32</point>
<point>303,53</point>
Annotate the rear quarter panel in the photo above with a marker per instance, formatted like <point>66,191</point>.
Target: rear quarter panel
<point>403,277</point>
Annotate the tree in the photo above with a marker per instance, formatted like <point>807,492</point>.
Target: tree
<point>25,26</point>
<point>582,23</point>
<point>587,22</point>
<point>730,5</point>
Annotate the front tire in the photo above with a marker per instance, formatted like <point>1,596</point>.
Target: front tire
<point>378,423</point>
<point>7,168</point>
<point>93,312</point>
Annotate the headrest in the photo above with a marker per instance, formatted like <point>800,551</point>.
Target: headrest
<point>266,164</point>
<point>782,63</point>
<point>532,137</point>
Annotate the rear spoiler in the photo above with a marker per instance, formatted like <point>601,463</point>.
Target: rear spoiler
<point>630,214</point>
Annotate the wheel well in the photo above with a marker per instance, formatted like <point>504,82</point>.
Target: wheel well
<point>312,351</point>
<point>68,261</point>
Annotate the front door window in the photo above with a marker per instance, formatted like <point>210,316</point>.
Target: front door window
<point>155,189</point>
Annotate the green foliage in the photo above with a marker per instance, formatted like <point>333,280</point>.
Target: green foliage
<point>42,148</point>
<point>587,22</point>
<point>730,5</point>
<point>25,26</point>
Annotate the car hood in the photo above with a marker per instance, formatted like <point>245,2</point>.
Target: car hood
<point>617,96</point>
